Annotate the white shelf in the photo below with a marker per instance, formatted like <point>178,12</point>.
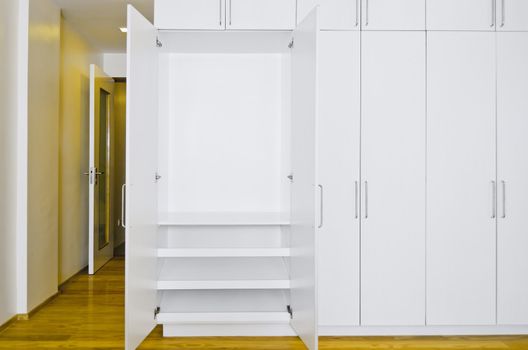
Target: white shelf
<point>224,273</point>
<point>223,219</point>
<point>224,307</point>
<point>222,252</point>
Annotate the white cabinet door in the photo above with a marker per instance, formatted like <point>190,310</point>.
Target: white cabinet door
<point>338,172</point>
<point>305,207</point>
<point>393,178</point>
<point>393,15</point>
<point>512,122</point>
<point>461,15</point>
<point>260,14</point>
<point>512,15</point>
<point>334,14</point>
<point>461,169</point>
<point>141,217</point>
<point>189,14</point>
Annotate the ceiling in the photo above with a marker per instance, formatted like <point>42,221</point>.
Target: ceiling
<point>99,20</point>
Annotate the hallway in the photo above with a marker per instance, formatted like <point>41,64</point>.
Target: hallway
<point>88,314</point>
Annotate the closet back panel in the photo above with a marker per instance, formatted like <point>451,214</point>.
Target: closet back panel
<point>223,132</point>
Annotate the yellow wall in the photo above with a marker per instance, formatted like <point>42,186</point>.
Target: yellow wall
<point>76,57</point>
<point>119,154</point>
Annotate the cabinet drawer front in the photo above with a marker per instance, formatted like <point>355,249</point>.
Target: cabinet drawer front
<point>189,14</point>
<point>260,14</point>
<point>461,15</point>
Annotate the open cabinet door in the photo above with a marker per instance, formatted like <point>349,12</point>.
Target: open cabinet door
<point>306,193</point>
<point>100,235</point>
<point>140,189</point>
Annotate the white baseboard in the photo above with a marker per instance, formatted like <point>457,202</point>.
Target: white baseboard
<point>228,330</point>
<point>421,330</point>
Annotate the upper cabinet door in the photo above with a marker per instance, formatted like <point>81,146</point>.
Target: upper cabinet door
<point>462,14</point>
<point>393,15</point>
<point>141,191</point>
<point>334,14</point>
<point>189,14</point>
<point>512,15</point>
<point>260,14</point>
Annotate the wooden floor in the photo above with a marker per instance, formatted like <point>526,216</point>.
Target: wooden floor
<point>89,315</point>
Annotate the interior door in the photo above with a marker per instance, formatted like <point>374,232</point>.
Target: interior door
<point>393,175</point>
<point>141,215</point>
<point>476,15</point>
<point>338,172</point>
<point>393,15</point>
<point>260,14</point>
<point>512,15</point>
<point>100,233</point>
<point>190,14</point>
<point>333,14</point>
<point>512,175</point>
<point>461,175</point>
<point>304,196</point>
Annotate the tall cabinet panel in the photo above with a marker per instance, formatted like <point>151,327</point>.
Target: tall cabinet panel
<point>338,172</point>
<point>393,178</point>
<point>461,185</point>
<point>478,15</point>
<point>512,123</point>
<point>141,191</point>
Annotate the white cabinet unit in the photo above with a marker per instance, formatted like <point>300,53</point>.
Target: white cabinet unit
<point>479,15</point>
<point>334,14</point>
<point>189,14</point>
<point>461,183</point>
<point>260,14</point>
<point>512,176</point>
<point>512,15</point>
<point>393,15</point>
<point>393,178</point>
<point>338,172</point>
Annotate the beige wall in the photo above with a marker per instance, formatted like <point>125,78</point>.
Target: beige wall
<point>119,155</point>
<point>8,157</point>
<point>43,151</point>
<point>76,57</point>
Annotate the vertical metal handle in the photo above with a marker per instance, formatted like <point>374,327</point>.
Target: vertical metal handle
<point>357,12</point>
<point>503,13</point>
<point>493,13</point>
<point>503,199</point>
<point>230,12</point>
<point>493,200</point>
<point>220,8</point>
<point>321,207</point>
<point>123,206</point>
<point>356,199</point>
<point>366,199</point>
<point>366,13</point>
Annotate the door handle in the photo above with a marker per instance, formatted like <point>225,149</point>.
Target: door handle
<point>123,225</point>
<point>503,199</point>
<point>493,199</point>
<point>220,11</point>
<point>366,199</point>
<point>230,12</point>
<point>321,208</point>
<point>366,13</point>
<point>503,13</point>
<point>493,12</point>
<point>356,195</point>
<point>357,12</point>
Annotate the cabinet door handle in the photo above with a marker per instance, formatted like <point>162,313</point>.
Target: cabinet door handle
<point>230,12</point>
<point>321,208</point>
<point>357,12</point>
<point>366,199</point>
<point>366,13</point>
<point>356,196</point>
<point>123,206</point>
<point>493,12</point>
<point>493,200</point>
<point>220,11</point>
<point>503,199</point>
<point>503,13</point>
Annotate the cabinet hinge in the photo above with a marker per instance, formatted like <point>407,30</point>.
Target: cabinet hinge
<point>157,177</point>
<point>156,311</point>
<point>290,45</point>
<point>158,42</point>
<point>290,177</point>
<point>290,311</point>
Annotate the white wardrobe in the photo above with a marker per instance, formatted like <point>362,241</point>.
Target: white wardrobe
<point>354,169</point>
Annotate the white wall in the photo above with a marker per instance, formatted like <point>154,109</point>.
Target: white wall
<point>114,64</point>
<point>76,57</point>
<point>43,151</point>
<point>8,157</point>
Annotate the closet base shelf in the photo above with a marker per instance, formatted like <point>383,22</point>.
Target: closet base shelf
<point>223,317</point>
<point>228,330</point>
<point>232,284</point>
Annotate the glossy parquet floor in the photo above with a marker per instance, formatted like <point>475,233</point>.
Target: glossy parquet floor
<point>88,314</point>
